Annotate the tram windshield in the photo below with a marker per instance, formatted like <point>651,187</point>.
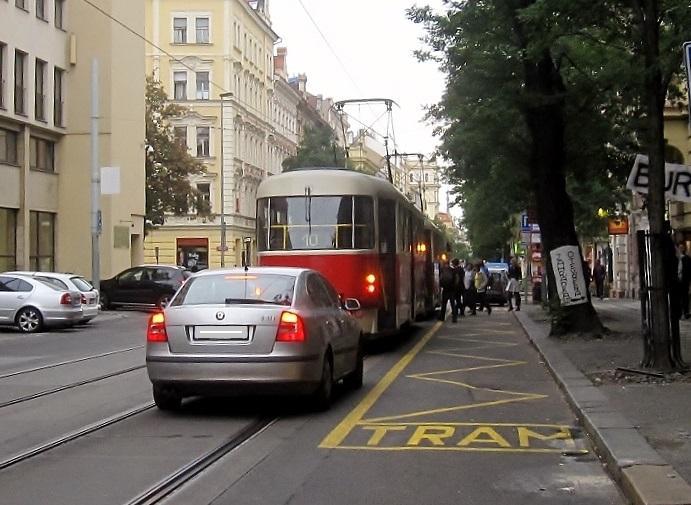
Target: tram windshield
<point>315,222</point>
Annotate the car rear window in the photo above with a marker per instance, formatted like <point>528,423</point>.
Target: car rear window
<point>81,283</point>
<point>53,282</point>
<point>240,288</point>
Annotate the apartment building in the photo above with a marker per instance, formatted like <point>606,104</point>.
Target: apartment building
<point>46,49</point>
<point>217,60</point>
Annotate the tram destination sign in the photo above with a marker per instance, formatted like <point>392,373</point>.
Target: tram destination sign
<point>677,179</point>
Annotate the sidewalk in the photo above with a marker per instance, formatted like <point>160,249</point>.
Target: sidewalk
<point>640,424</point>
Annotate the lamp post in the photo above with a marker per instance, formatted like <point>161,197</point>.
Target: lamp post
<point>223,246</point>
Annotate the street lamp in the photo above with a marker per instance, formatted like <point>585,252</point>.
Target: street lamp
<point>223,246</point>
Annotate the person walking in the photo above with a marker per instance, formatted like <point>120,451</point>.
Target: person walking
<point>446,282</point>
<point>459,286</point>
<point>684,278</point>
<point>481,288</point>
<point>599,274</point>
<point>513,288</point>
<point>470,296</point>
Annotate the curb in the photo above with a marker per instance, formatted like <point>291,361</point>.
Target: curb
<point>643,475</point>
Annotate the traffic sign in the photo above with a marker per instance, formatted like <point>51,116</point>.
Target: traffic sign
<point>222,248</point>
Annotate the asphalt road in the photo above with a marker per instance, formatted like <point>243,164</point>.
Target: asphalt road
<point>462,414</point>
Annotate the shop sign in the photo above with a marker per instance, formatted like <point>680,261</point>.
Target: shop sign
<point>618,225</point>
<point>568,273</point>
<point>677,179</point>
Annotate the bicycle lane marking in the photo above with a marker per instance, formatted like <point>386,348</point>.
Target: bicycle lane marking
<point>390,433</point>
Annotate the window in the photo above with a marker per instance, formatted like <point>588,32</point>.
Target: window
<point>2,76</point>
<point>202,25</point>
<point>21,4</point>
<point>230,289</point>
<point>42,154</point>
<point>41,10</point>
<point>180,85</point>
<point>205,192</point>
<point>57,97</point>
<point>180,135</point>
<point>40,98</point>
<point>42,241</point>
<point>203,141</point>
<point>426,177</point>
<point>180,30</point>
<point>319,222</point>
<point>19,89</point>
<point>8,146</point>
<point>59,13</point>
<point>202,85</point>
<point>8,243</point>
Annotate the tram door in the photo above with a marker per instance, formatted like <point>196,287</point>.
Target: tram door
<point>386,319</point>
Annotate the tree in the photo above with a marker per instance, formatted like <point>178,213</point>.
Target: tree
<point>168,163</point>
<point>317,148</point>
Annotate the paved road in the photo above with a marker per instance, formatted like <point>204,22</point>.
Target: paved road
<point>462,414</point>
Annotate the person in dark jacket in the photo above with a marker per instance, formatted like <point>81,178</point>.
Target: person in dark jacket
<point>599,274</point>
<point>446,282</point>
<point>459,286</point>
<point>684,278</point>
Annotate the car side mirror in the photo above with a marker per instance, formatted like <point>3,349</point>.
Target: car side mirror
<point>351,305</point>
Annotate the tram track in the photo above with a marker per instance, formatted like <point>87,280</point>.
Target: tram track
<point>85,430</point>
<point>174,481</point>
<point>59,389</point>
<point>69,362</point>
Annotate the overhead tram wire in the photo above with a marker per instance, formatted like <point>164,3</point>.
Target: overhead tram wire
<point>171,56</point>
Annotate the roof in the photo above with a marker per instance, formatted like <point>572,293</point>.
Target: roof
<point>295,271</point>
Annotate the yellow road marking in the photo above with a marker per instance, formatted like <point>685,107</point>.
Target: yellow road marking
<point>455,448</point>
<point>340,432</point>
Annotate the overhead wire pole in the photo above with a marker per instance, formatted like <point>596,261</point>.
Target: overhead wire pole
<point>96,222</point>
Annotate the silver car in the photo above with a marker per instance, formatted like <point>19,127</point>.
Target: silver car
<point>260,330</point>
<point>71,282</point>
<point>32,304</point>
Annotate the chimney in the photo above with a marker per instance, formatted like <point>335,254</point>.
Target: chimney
<point>280,66</point>
<point>302,83</point>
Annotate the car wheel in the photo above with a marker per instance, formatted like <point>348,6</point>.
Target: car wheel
<point>29,320</point>
<point>163,301</point>
<point>354,379</point>
<point>105,302</point>
<point>324,392</point>
<point>167,398</point>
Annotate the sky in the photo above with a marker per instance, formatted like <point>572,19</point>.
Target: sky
<point>373,42</point>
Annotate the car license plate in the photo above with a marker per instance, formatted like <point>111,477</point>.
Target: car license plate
<point>221,334</point>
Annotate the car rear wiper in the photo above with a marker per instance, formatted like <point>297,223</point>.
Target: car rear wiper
<point>231,301</point>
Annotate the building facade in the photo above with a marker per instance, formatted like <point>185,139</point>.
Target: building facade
<point>217,60</point>
<point>46,53</point>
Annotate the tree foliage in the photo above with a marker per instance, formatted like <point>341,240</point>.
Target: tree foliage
<point>543,106</point>
<point>317,148</point>
<point>168,163</point>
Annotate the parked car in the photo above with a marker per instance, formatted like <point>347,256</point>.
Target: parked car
<point>71,282</point>
<point>32,304</point>
<point>146,286</point>
<point>496,292</point>
<point>264,329</point>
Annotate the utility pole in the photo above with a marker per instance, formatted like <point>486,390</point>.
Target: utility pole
<point>223,245</point>
<point>96,221</point>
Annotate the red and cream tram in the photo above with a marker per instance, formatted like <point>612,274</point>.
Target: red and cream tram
<point>361,233</point>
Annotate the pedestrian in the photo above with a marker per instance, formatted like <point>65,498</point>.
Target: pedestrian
<point>481,280</point>
<point>446,282</point>
<point>470,296</point>
<point>513,288</point>
<point>684,278</point>
<point>587,278</point>
<point>459,286</point>
<point>599,275</point>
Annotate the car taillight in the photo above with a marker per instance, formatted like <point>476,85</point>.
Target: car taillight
<point>291,328</point>
<point>156,332</point>
<point>66,299</point>
<point>370,284</point>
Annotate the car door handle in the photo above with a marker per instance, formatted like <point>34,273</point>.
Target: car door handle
<point>21,297</point>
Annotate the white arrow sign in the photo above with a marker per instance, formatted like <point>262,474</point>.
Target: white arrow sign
<point>677,179</point>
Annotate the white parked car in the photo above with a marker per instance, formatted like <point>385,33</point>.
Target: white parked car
<point>71,282</point>
<point>32,304</point>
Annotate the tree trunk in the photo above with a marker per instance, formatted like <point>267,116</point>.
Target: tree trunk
<point>544,114</point>
<point>659,352</point>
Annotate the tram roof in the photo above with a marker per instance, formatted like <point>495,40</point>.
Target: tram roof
<point>327,181</point>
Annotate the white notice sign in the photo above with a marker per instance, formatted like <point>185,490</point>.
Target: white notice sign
<point>568,272</point>
<point>110,180</point>
<point>677,179</point>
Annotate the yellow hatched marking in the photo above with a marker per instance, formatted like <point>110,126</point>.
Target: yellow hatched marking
<point>340,432</point>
